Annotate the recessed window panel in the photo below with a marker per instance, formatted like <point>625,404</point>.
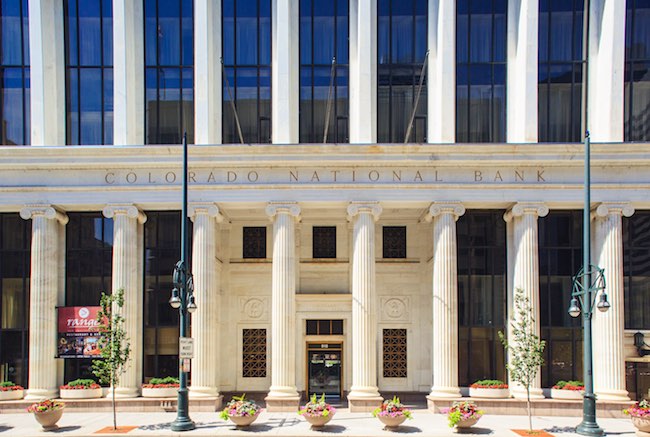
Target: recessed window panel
<point>637,66</point>
<point>394,241</point>
<point>636,270</point>
<point>324,242</point>
<point>254,242</point>
<point>395,355</point>
<point>254,353</point>
<point>324,327</point>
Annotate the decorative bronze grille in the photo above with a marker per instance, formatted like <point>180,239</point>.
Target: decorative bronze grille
<point>254,243</point>
<point>254,353</point>
<point>394,353</point>
<point>394,241</point>
<point>324,242</point>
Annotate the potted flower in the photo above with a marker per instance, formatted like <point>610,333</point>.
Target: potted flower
<point>317,411</point>
<point>640,415</point>
<point>392,413</point>
<point>81,389</point>
<point>10,391</point>
<point>489,388</point>
<point>161,388</point>
<point>463,414</point>
<point>47,413</point>
<point>568,390</point>
<point>241,411</point>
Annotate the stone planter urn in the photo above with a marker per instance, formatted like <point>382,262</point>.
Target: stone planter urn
<point>464,425</point>
<point>392,422</point>
<point>243,421</point>
<point>642,425</point>
<point>11,395</point>
<point>48,419</point>
<point>489,393</point>
<point>567,394</point>
<point>165,392</point>
<point>82,393</point>
<point>318,421</point>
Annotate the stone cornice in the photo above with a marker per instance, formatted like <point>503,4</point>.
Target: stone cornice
<point>521,208</point>
<point>47,211</point>
<point>130,210</point>
<point>355,208</point>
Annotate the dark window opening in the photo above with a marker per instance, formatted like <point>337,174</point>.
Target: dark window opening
<point>324,327</point>
<point>324,242</point>
<point>636,270</point>
<point>254,244</point>
<point>394,241</point>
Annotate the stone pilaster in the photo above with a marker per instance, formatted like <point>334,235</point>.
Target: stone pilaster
<point>608,327</point>
<point>523,260</point>
<point>441,80</point>
<point>285,74</point>
<point>283,395</point>
<point>47,73</point>
<point>128,73</point>
<point>364,393</point>
<point>205,320</point>
<point>445,299</point>
<point>363,71</point>
<point>46,261</point>
<point>207,73</point>
<point>127,275</point>
<point>523,23</point>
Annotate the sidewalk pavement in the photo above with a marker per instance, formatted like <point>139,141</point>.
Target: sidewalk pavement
<point>344,423</point>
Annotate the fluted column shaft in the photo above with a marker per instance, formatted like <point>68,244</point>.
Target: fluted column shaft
<point>127,268</point>
<point>523,254</point>
<point>364,305</point>
<point>283,301</point>
<point>46,259</point>
<point>445,299</point>
<point>205,320</point>
<point>608,327</point>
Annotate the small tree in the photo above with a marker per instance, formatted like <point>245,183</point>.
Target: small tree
<point>113,343</point>
<point>526,349</point>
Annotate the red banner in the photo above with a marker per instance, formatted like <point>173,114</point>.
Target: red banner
<point>78,332</point>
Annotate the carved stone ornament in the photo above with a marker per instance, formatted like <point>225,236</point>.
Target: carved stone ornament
<point>394,308</point>
<point>254,308</point>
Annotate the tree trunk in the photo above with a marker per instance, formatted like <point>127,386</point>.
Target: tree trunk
<point>114,413</point>
<point>530,417</point>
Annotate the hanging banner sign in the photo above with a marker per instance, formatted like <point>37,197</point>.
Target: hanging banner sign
<point>78,332</point>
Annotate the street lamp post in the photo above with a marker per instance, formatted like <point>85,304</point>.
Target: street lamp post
<point>587,283</point>
<point>183,299</point>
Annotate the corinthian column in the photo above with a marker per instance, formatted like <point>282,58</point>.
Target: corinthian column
<point>364,394</point>
<point>523,272</point>
<point>608,327</point>
<point>127,275</point>
<point>205,321</point>
<point>283,395</point>
<point>445,299</point>
<point>46,261</point>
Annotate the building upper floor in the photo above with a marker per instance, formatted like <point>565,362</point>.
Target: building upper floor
<point>122,72</point>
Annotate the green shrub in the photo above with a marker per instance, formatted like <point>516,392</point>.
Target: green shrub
<point>81,383</point>
<point>165,380</point>
<point>7,384</point>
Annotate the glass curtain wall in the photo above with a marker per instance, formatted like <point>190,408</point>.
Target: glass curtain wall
<point>15,259</point>
<point>636,270</point>
<point>401,50</point>
<point>481,295</point>
<point>481,55</point>
<point>88,272</point>
<point>560,258</point>
<point>323,37</point>
<point>247,63</point>
<point>89,71</point>
<point>560,70</point>
<point>14,73</point>
<point>637,71</point>
<point>169,70</point>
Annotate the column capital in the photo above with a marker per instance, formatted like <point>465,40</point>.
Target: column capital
<point>209,209</point>
<point>614,208</point>
<point>521,208</point>
<point>275,208</point>
<point>129,210</point>
<point>47,211</point>
<point>438,208</point>
<point>355,208</point>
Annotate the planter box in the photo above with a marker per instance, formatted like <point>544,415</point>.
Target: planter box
<point>489,393</point>
<point>87,393</point>
<point>11,395</point>
<point>166,392</point>
<point>567,394</point>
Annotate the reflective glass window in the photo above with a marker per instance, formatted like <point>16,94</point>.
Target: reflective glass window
<point>169,70</point>
<point>637,71</point>
<point>247,71</point>
<point>636,270</point>
<point>14,73</point>
<point>481,71</point>
<point>560,258</point>
<point>15,258</point>
<point>89,71</point>
<point>401,51</point>
<point>560,70</point>
<point>324,71</point>
<point>481,236</point>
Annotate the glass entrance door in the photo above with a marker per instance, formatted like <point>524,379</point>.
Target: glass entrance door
<point>324,369</point>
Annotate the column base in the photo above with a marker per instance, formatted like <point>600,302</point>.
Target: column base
<point>123,392</point>
<point>39,394</point>
<point>444,392</point>
<point>282,404</point>
<point>519,392</point>
<point>613,395</point>
<point>203,392</point>
<point>364,399</point>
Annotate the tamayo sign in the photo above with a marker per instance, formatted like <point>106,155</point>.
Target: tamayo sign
<point>78,332</point>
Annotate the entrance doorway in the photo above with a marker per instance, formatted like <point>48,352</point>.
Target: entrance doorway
<point>324,361</point>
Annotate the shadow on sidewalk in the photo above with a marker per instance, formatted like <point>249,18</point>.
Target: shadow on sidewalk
<point>64,429</point>
<point>4,428</point>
